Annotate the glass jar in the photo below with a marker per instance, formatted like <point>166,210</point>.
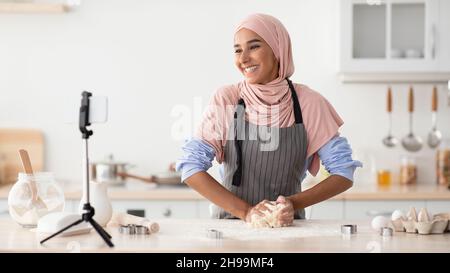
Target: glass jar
<point>443,163</point>
<point>408,171</point>
<point>384,178</point>
<point>25,209</point>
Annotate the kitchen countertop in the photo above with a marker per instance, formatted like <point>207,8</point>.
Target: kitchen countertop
<point>142,191</point>
<point>177,235</point>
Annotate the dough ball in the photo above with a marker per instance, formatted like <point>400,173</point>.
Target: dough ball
<point>270,218</point>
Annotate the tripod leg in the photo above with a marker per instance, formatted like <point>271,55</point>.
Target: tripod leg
<point>62,230</point>
<point>101,228</point>
<point>101,232</point>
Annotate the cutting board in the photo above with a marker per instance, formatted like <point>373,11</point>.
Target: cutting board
<point>11,140</point>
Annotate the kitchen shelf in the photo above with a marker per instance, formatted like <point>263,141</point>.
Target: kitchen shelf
<point>395,77</point>
<point>33,8</point>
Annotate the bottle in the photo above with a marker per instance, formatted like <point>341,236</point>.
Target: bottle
<point>408,171</point>
<point>443,163</point>
<point>98,195</point>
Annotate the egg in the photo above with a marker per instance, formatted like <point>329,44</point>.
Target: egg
<point>398,214</point>
<point>411,215</point>
<point>379,222</point>
<point>424,216</point>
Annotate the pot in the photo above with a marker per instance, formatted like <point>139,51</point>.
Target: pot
<point>108,171</point>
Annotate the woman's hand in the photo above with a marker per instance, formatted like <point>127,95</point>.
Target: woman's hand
<point>256,209</point>
<point>286,217</point>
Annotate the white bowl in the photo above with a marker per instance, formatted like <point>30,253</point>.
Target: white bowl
<point>413,53</point>
<point>397,53</point>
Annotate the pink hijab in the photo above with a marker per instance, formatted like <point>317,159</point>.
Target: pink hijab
<point>274,96</point>
<point>270,104</point>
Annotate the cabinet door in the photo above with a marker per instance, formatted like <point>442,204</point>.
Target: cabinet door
<point>330,209</point>
<point>357,210</point>
<point>158,209</point>
<point>443,35</point>
<point>435,207</point>
<point>4,212</point>
<point>203,209</point>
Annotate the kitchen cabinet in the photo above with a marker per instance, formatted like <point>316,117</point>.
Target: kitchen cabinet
<point>159,209</point>
<point>438,206</point>
<point>444,23</point>
<point>151,209</point>
<point>330,209</point>
<point>368,209</point>
<point>24,7</point>
<point>203,209</point>
<point>4,208</point>
<point>394,41</point>
<point>363,210</point>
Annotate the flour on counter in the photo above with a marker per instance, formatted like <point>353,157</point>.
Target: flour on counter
<point>239,230</point>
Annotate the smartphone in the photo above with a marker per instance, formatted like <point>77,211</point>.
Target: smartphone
<point>98,109</point>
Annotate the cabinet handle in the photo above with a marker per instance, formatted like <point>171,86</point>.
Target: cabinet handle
<point>136,212</point>
<point>167,212</point>
<point>373,213</point>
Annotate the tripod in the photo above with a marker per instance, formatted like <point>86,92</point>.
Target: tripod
<point>89,211</point>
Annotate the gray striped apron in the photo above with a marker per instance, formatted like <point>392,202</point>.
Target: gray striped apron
<point>271,162</point>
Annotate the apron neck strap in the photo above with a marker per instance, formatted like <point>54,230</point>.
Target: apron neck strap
<point>297,109</point>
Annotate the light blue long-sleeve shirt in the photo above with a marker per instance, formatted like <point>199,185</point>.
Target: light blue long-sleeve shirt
<point>336,156</point>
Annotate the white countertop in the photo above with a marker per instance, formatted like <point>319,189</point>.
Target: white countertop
<point>190,236</point>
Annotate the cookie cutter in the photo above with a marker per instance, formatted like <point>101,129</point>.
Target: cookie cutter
<point>386,231</point>
<point>214,234</point>
<point>133,229</point>
<point>348,229</point>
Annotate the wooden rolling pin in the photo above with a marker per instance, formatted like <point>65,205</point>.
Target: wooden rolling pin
<point>128,219</point>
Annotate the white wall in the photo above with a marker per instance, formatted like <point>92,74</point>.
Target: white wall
<point>150,56</point>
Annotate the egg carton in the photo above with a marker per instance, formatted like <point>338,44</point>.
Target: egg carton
<point>421,223</point>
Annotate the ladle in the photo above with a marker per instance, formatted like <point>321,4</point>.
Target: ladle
<point>411,142</point>
<point>389,140</point>
<point>435,136</point>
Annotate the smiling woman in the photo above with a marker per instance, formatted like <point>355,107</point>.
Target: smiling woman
<point>275,131</point>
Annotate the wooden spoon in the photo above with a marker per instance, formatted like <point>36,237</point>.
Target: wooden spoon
<point>36,201</point>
